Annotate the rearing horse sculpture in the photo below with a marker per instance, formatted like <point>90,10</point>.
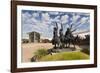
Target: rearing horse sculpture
<point>69,38</point>
<point>55,40</point>
<point>61,36</point>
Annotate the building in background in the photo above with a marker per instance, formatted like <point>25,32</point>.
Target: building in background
<point>34,37</point>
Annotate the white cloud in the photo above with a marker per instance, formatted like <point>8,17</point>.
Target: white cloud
<point>26,16</point>
<point>35,15</point>
<point>45,17</point>
<point>32,21</point>
<point>56,19</point>
<point>75,18</point>
<point>64,19</point>
<point>29,22</point>
<point>79,23</point>
<point>84,20</point>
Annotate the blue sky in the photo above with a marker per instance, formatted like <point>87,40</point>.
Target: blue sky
<point>44,22</point>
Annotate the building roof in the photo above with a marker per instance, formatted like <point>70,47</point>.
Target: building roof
<point>33,32</point>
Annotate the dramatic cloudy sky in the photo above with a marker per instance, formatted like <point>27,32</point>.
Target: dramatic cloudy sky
<point>44,22</point>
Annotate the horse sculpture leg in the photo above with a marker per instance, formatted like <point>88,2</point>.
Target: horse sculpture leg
<point>55,46</point>
<point>69,43</point>
<point>66,45</point>
<point>73,45</point>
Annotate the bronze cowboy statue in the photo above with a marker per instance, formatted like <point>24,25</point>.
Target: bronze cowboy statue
<point>61,36</point>
<point>55,40</point>
<point>70,39</point>
<point>63,40</point>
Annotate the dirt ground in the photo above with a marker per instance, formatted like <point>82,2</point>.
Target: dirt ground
<point>29,49</point>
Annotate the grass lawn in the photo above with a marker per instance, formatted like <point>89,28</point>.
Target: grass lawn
<point>65,56</point>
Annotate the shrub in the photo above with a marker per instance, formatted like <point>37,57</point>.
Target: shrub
<point>40,53</point>
<point>87,51</point>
